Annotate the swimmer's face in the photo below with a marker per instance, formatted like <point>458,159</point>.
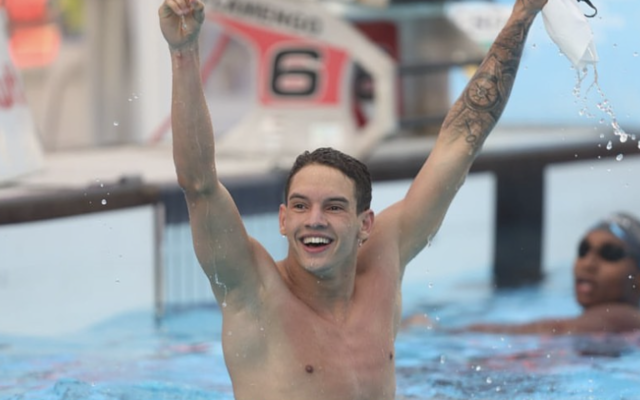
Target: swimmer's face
<point>605,272</point>
<point>320,220</point>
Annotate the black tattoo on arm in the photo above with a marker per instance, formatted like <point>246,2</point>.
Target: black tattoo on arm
<point>484,99</point>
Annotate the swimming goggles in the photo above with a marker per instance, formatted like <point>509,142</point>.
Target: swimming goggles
<point>608,252</point>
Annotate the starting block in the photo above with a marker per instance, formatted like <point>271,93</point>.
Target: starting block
<point>306,60</point>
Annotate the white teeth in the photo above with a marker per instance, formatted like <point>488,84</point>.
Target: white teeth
<point>315,240</point>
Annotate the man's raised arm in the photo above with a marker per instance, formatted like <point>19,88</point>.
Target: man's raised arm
<point>466,126</point>
<point>219,237</point>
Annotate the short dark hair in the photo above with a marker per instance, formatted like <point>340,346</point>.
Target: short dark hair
<point>351,167</point>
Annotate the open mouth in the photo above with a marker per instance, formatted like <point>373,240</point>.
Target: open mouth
<point>316,242</point>
<point>584,285</point>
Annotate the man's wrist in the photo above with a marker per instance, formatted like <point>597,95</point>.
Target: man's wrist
<point>185,52</point>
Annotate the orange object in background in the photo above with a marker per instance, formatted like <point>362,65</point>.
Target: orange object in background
<point>34,39</point>
<point>26,10</point>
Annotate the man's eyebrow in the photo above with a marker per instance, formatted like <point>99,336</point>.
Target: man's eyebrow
<point>337,199</point>
<point>294,196</point>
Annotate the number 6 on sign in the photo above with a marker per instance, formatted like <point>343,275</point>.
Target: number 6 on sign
<point>295,73</point>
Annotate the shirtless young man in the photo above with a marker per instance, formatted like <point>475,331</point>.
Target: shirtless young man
<point>607,284</point>
<point>321,324</point>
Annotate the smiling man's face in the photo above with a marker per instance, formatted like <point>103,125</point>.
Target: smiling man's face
<point>320,219</point>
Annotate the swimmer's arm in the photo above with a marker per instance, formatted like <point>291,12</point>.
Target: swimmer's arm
<point>224,250</point>
<point>542,327</point>
<point>602,319</point>
<point>463,132</point>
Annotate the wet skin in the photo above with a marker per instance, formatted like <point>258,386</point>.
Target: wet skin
<point>323,325</point>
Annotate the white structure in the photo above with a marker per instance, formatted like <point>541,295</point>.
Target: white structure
<point>20,150</point>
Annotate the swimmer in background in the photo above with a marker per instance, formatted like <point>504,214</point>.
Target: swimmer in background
<point>322,323</point>
<point>606,283</point>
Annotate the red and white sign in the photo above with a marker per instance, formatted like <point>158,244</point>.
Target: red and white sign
<point>305,60</point>
<point>20,150</point>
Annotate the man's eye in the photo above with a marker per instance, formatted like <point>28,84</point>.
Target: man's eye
<point>298,206</point>
<point>335,208</point>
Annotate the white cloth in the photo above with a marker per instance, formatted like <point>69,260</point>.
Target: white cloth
<point>570,31</point>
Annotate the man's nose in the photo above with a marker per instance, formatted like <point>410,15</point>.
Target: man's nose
<point>316,218</point>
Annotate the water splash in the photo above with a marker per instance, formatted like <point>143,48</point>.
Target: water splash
<point>604,105</point>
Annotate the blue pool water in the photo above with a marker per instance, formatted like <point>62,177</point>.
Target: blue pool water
<point>132,357</point>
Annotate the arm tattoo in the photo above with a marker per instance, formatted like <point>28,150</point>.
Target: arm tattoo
<point>484,99</point>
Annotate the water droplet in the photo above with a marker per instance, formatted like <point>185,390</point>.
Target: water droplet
<point>116,123</point>
<point>609,145</point>
<point>478,368</point>
<point>489,381</point>
<point>224,304</point>
<point>442,359</point>
<point>534,45</point>
<point>104,202</point>
<point>630,276</point>
<point>635,54</point>
<point>619,157</point>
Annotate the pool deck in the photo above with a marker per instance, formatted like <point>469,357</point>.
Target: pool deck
<point>83,168</point>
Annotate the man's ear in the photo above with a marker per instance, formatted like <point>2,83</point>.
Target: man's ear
<point>281,219</point>
<point>367,225</point>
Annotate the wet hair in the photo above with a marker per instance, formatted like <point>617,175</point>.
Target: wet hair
<point>349,166</point>
<point>625,227</point>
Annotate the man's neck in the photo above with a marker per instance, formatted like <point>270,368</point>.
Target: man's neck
<point>328,295</point>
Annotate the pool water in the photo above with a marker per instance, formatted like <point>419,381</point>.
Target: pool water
<point>132,357</point>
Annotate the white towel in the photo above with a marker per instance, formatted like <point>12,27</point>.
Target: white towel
<point>570,31</point>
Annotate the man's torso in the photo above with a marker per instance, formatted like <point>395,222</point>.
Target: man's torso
<point>280,348</point>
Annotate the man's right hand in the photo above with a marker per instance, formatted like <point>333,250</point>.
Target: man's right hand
<point>180,22</point>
